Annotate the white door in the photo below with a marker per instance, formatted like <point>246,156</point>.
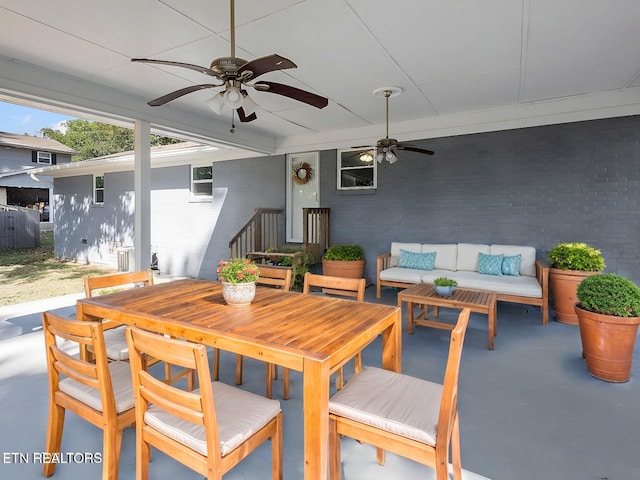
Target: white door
<point>302,191</point>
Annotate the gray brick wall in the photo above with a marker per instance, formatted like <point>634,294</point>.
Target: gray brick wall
<point>535,186</point>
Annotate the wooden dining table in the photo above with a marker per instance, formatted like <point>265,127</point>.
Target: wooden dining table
<point>308,333</point>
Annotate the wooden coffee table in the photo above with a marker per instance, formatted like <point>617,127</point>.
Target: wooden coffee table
<point>478,301</point>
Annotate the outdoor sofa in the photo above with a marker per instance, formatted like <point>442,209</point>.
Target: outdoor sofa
<point>511,271</point>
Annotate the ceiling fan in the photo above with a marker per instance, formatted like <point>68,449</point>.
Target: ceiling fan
<point>235,74</point>
<point>386,145</point>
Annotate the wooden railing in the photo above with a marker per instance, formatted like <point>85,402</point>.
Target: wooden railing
<point>315,232</point>
<point>261,232</point>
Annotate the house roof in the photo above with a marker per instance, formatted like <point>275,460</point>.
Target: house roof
<point>28,142</point>
<point>161,156</point>
<point>464,66</point>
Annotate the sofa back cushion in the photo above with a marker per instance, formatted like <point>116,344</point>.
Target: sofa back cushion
<point>395,251</point>
<point>527,256</point>
<point>468,256</point>
<point>446,254</point>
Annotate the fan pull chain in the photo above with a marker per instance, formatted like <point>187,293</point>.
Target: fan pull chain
<point>233,123</point>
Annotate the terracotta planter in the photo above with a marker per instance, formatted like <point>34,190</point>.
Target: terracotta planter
<point>239,294</point>
<point>607,344</point>
<point>342,268</point>
<point>564,284</point>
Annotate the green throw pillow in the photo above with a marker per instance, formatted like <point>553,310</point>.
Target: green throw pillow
<point>490,264</point>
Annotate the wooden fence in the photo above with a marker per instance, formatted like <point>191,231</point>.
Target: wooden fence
<point>19,227</point>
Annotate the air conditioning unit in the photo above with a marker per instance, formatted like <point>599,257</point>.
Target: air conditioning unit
<point>126,259</point>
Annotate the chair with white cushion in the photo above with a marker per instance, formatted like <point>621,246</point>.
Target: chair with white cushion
<point>329,285</point>
<point>114,333</point>
<point>210,429</point>
<point>410,417</point>
<point>99,392</point>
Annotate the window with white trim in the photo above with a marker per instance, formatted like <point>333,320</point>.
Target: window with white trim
<point>357,169</point>
<point>202,182</point>
<point>44,157</point>
<point>98,189</point>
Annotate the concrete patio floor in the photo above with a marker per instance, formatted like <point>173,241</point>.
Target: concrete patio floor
<point>529,410</point>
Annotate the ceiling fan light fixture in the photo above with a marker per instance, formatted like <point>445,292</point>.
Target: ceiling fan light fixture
<point>233,97</point>
<point>216,103</point>
<point>248,105</point>
<point>391,157</point>
<point>366,157</point>
<point>380,157</point>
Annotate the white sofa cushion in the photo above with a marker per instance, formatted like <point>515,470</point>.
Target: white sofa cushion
<point>468,256</point>
<point>523,285</point>
<point>400,274</point>
<point>409,247</point>
<point>446,254</point>
<point>527,256</point>
<point>429,277</point>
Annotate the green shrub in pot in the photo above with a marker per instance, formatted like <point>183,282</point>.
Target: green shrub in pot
<point>576,256</point>
<point>608,315</point>
<point>609,294</point>
<point>344,253</point>
<point>571,263</point>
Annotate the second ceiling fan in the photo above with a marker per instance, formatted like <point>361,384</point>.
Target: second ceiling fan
<point>235,74</point>
<point>385,146</point>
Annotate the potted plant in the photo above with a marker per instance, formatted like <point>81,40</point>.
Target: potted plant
<point>238,277</point>
<point>570,263</point>
<point>445,286</point>
<point>344,261</point>
<point>608,314</point>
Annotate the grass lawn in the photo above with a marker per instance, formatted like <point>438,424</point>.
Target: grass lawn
<point>28,274</point>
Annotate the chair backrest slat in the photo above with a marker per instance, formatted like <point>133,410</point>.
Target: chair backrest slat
<point>350,287</point>
<point>275,277</point>
<point>91,284</point>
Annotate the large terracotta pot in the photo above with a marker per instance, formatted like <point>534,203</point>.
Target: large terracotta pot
<point>607,344</point>
<point>564,284</point>
<point>342,268</point>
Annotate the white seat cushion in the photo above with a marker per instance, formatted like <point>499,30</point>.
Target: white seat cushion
<point>400,274</point>
<point>240,414</point>
<point>120,381</point>
<point>430,276</point>
<point>392,402</point>
<point>115,341</point>
<point>502,284</point>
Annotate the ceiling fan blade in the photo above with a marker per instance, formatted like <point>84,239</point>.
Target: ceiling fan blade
<point>399,146</point>
<point>190,66</point>
<point>364,146</point>
<point>244,118</point>
<point>179,93</point>
<point>292,92</point>
<point>263,65</point>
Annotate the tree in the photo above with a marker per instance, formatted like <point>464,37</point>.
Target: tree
<point>95,139</point>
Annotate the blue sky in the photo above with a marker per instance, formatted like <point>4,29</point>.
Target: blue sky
<point>19,119</point>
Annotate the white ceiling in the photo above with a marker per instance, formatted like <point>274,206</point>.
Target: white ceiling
<point>464,66</point>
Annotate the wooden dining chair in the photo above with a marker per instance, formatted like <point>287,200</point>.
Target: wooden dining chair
<point>114,332</point>
<point>276,277</point>
<point>330,285</point>
<point>211,429</point>
<point>100,392</point>
<point>411,417</point>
